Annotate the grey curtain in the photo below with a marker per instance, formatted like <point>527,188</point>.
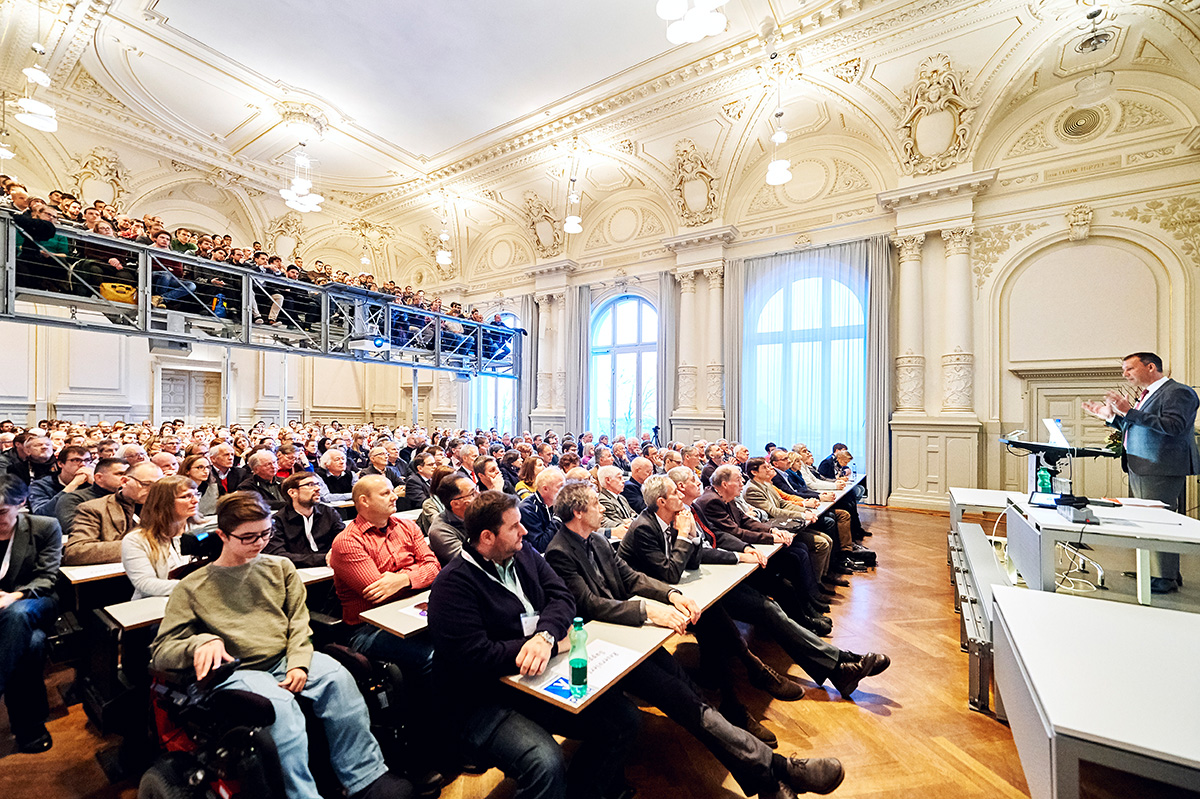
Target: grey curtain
<point>735,292</point>
<point>879,370</point>
<point>668,338</point>
<point>527,390</point>
<point>579,312</point>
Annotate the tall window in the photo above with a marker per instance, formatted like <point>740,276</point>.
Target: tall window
<point>805,358</point>
<point>624,361</point>
<point>494,399</point>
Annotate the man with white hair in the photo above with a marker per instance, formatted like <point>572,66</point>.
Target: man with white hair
<point>167,462</point>
<point>228,476</point>
<point>133,454</point>
<point>334,473</point>
<point>616,508</point>
<point>535,509</point>
<point>264,478</point>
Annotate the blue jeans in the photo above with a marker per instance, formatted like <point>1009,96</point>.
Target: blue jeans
<point>22,659</point>
<point>169,287</point>
<point>353,751</point>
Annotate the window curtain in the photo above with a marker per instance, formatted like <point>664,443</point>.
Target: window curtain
<point>810,338</point>
<point>880,268</point>
<point>579,343</point>
<point>668,337</point>
<point>528,320</point>
<point>733,300</point>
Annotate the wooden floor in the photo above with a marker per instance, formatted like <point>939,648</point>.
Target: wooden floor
<point>908,732</point>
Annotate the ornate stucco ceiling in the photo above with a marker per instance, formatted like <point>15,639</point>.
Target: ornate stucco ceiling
<point>485,99</point>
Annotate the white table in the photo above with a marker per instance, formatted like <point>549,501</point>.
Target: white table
<point>402,618</point>
<point>851,484</point>
<point>1098,682</point>
<point>95,571</point>
<point>1033,534</point>
<point>977,500</point>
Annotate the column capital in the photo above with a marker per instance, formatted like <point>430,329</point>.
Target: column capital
<point>687,282</point>
<point>909,247</point>
<point>958,240</point>
<point>715,275</point>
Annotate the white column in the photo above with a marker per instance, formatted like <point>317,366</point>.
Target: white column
<point>686,392</point>
<point>910,339</point>
<point>560,351</point>
<point>545,354</point>
<point>283,389</point>
<point>714,376</point>
<point>958,362</point>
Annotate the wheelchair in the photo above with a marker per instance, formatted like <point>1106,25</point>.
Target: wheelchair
<point>215,743</point>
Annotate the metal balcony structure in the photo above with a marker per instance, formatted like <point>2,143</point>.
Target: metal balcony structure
<point>112,285</point>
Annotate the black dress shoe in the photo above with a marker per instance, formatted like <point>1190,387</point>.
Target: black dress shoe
<point>826,590</point>
<point>1162,585</point>
<point>39,741</point>
<point>847,675</point>
<point>779,686</point>
<point>833,579</point>
<point>817,774</point>
<point>820,625</point>
<point>841,568</point>
<point>819,606</point>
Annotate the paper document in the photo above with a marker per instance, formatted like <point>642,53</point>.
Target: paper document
<point>605,662</point>
<point>419,610</point>
<point>1134,502</point>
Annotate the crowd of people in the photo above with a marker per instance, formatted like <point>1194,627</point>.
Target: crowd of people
<point>516,536</point>
<point>43,254</point>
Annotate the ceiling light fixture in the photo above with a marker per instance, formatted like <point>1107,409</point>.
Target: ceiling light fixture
<point>298,194</point>
<point>6,151</point>
<point>442,254</point>
<point>573,223</point>
<point>33,113</point>
<point>779,170</point>
<point>1094,89</point>
<point>690,25</point>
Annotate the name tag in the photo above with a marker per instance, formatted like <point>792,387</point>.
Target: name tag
<point>529,623</point>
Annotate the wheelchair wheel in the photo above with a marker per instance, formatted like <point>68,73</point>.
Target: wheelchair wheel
<point>164,780</point>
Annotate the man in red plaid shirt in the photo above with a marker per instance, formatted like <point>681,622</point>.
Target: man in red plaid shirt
<point>378,558</point>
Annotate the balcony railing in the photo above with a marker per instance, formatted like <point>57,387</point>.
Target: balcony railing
<point>115,286</point>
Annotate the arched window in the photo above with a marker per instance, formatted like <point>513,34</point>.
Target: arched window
<point>805,358</point>
<point>494,399</point>
<point>624,362</point>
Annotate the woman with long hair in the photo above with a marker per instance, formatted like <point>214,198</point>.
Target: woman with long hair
<point>529,472</point>
<point>199,469</point>
<point>432,506</point>
<point>151,552</point>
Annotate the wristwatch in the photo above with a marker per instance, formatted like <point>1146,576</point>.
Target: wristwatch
<point>548,637</point>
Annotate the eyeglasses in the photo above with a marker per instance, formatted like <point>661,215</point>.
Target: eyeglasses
<point>307,485</point>
<point>253,538</point>
<point>474,492</point>
<point>142,483</point>
<point>188,495</point>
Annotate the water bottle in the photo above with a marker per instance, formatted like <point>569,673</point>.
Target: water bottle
<point>1043,481</point>
<point>578,659</point>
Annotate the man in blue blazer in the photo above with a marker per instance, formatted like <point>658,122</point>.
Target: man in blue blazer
<point>1160,444</point>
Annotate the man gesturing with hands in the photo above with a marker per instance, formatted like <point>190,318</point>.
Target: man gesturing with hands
<point>250,606</point>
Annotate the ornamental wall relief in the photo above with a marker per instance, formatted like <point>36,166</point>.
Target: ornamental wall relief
<point>99,175</point>
<point>285,235</point>
<point>938,118</point>
<point>544,229</point>
<point>695,186</point>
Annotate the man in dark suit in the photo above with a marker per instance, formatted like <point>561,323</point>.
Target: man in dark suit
<point>228,476</point>
<point>662,543</point>
<point>499,609</point>
<point>416,485</point>
<point>639,470</point>
<point>263,478</point>
<point>31,549</point>
<point>303,530</point>
<point>1160,444</point>
<point>535,509</point>
<point>606,588</point>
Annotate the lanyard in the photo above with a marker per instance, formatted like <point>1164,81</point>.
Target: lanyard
<point>515,588</point>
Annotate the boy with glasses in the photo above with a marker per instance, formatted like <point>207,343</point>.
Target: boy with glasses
<point>250,606</point>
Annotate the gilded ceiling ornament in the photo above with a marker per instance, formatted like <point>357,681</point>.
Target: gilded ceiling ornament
<point>847,71</point>
<point>99,165</point>
<point>937,118</point>
<point>546,231</point>
<point>695,184</point>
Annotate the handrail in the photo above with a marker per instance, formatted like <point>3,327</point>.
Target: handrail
<point>164,294</point>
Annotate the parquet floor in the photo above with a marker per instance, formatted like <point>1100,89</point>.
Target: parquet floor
<point>907,734</point>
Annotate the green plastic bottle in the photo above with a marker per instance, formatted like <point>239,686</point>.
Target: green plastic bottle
<point>1043,480</point>
<point>578,659</point>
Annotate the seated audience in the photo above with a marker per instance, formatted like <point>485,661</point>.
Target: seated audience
<point>106,478</point>
<point>616,508</point>
<point>639,470</point>
<point>528,474</point>
<point>762,494</point>
<point>30,548</point>
<point>198,469</point>
<point>608,589</point>
<point>487,475</point>
<point>151,552</point>
<point>74,473</point>
<point>227,476</point>
<point>250,606</point>
<point>432,506</point>
<point>338,479</point>
<point>447,533</point>
<point>304,528</point>
<point>535,510</point>
<point>100,524</point>
<point>165,461</point>
<point>31,458</point>
<point>498,609</point>
<point>263,478</point>
<point>379,466</point>
<point>417,487</point>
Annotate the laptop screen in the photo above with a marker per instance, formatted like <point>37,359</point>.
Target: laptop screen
<point>1054,429</point>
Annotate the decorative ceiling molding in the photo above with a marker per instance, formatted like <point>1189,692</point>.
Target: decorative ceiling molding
<point>958,186</point>
<point>938,118</point>
<point>701,238</point>
<point>80,33</point>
